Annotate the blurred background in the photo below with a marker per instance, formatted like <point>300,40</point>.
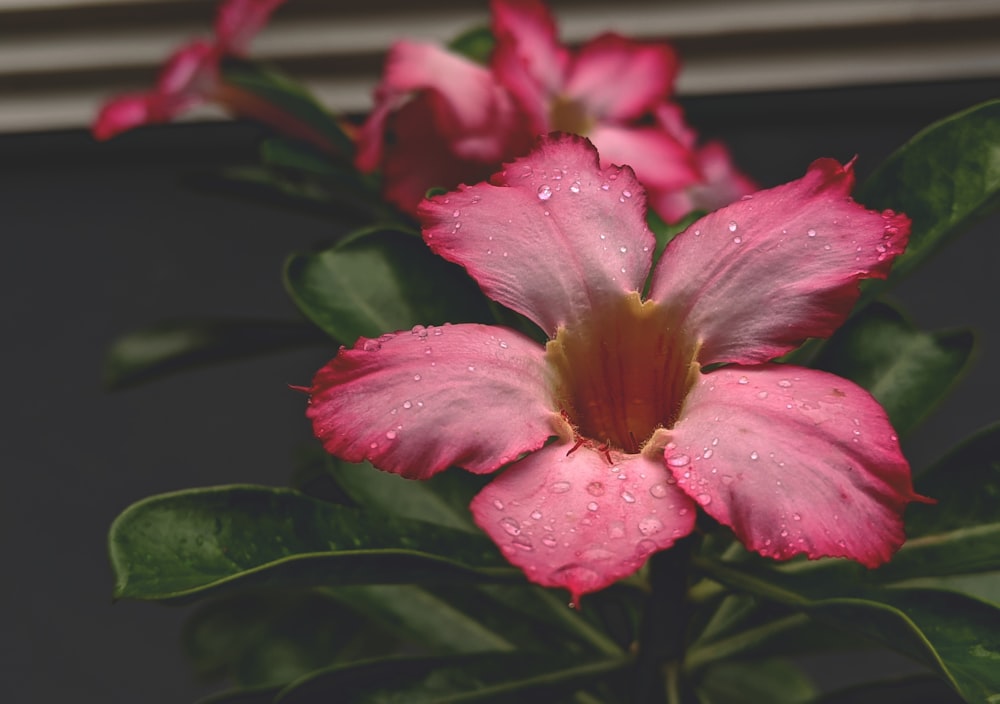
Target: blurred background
<point>110,237</point>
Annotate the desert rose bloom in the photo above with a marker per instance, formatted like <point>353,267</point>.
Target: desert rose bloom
<point>439,120</point>
<point>191,77</point>
<point>609,91</point>
<point>614,433</point>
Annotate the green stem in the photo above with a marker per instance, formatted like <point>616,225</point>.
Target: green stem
<point>661,636</point>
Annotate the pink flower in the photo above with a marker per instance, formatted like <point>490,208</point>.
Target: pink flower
<point>612,91</point>
<point>614,433</point>
<point>191,77</point>
<point>439,120</point>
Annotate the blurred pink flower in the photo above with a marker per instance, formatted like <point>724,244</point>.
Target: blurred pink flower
<point>613,432</point>
<point>191,77</point>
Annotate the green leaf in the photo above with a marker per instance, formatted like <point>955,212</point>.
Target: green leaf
<point>443,499</point>
<point>266,638</point>
<point>914,688</point>
<point>908,371</point>
<point>476,44</point>
<point>453,679</point>
<point>194,542</point>
<point>944,179</point>
<point>289,97</point>
<point>175,345</point>
<point>772,681</point>
<point>380,282</point>
<point>957,636</point>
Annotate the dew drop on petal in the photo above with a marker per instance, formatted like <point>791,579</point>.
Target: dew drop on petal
<point>732,226</point>
<point>623,249</point>
<point>743,380</point>
<point>371,346</point>
<point>592,506</point>
<point>536,515</point>
<point>796,517</point>
<point>754,455</point>
<point>627,497</point>
<point>616,529</point>
<point>811,232</point>
<point>707,454</point>
<point>679,461</point>
<point>417,377</point>
<point>559,487</point>
<point>658,490</point>
<point>704,499</point>
<point>544,192</point>
<point>784,383</point>
<point>575,187</point>
<point>498,504</point>
<point>549,542</point>
<point>762,395</point>
<point>407,405</point>
<point>650,525</point>
<point>595,489</point>
<point>390,434</point>
<point>524,543</point>
<point>510,526</point>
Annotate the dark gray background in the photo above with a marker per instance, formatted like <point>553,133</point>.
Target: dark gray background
<point>104,238</point>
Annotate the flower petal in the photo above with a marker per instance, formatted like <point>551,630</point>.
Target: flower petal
<point>416,402</point>
<point>722,184</point>
<point>659,160</point>
<point>571,519</point>
<point>238,22</point>
<point>553,236</point>
<point>528,58</point>
<point>756,278</point>
<point>124,113</point>
<point>621,79</point>
<point>794,461</point>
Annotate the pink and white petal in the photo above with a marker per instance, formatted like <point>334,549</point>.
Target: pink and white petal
<point>190,75</point>
<point>621,79</point>
<point>239,21</point>
<point>754,279</point>
<point>125,112</point>
<point>658,159</point>
<point>570,519</point>
<point>528,58</point>
<point>723,184</point>
<point>795,461</point>
<point>416,402</point>
<point>553,236</point>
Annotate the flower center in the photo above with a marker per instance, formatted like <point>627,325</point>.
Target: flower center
<point>623,373</point>
<point>568,115</point>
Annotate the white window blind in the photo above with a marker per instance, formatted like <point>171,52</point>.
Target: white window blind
<point>60,58</point>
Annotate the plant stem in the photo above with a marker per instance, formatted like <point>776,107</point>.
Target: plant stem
<point>661,637</point>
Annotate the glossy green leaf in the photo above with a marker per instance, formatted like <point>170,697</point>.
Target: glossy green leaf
<point>443,499</point>
<point>272,637</point>
<point>285,95</point>
<point>381,282</point>
<point>194,542</point>
<point>955,635</point>
<point>944,179</point>
<point>908,371</point>
<point>772,681</point>
<point>453,679</point>
<point>174,345</point>
<point>914,689</point>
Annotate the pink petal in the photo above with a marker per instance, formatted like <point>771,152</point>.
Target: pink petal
<point>723,183</point>
<point>621,79</point>
<point>658,159</point>
<point>190,74</point>
<point>528,58</point>
<point>794,461</point>
<point>124,113</point>
<point>571,519</point>
<point>238,22</point>
<point>756,278</point>
<point>419,401</point>
<point>553,236</point>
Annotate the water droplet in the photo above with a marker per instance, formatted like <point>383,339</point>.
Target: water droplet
<point>737,240</point>
<point>498,504</point>
<point>658,490</point>
<point>592,506</point>
<point>784,533</point>
<point>544,192</point>
<point>707,454</point>
<point>715,442</point>
<point>616,529</point>
<point>510,526</point>
<point>523,542</point>
<point>471,368</point>
<point>697,233</point>
<point>704,499</point>
<point>371,346</point>
<point>536,515</point>
<point>623,249</point>
<point>390,434</point>
<point>627,194</point>
<point>796,517</point>
<point>762,395</point>
<point>575,187</point>
<point>627,497</point>
<point>732,226</point>
<point>679,461</point>
<point>811,232</point>
<point>784,383</point>
<point>650,525</point>
<point>503,345</point>
<point>559,487</point>
<point>373,445</point>
<point>605,186</point>
<point>455,213</point>
<point>754,455</point>
<point>595,489</point>
<point>549,542</point>
<point>743,380</point>
<point>407,405</point>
